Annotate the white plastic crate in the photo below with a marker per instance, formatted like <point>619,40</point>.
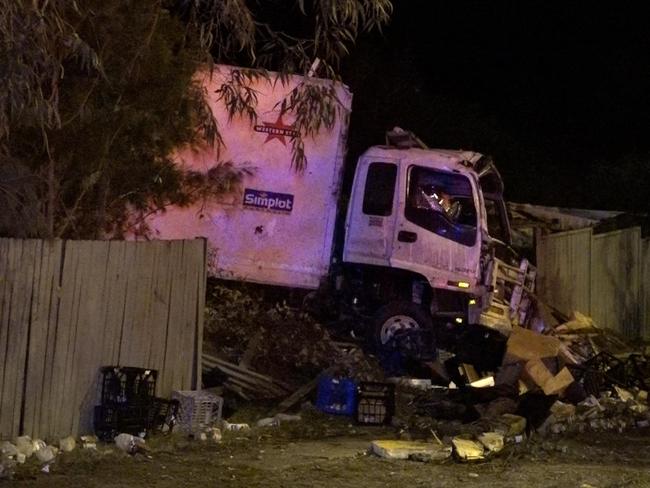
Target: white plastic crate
<point>198,409</point>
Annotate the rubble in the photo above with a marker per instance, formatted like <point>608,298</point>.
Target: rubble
<point>46,454</point>
<point>564,376</point>
<point>25,445</point>
<point>596,414</point>
<point>493,442</point>
<point>214,434</point>
<point>467,449</point>
<point>267,422</point>
<point>415,450</point>
<point>235,427</point>
<point>130,444</point>
<point>67,444</point>
<point>89,441</point>
<point>510,425</point>
<point>7,449</point>
<point>273,346</point>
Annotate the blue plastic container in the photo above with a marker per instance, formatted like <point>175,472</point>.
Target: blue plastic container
<point>337,396</point>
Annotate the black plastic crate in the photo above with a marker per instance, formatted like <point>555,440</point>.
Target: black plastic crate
<point>111,420</point>
<point>375,403</point>
<point>127,385</point>
<point>162,412</point>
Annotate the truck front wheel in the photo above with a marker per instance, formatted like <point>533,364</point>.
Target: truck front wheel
<point>406,327</point>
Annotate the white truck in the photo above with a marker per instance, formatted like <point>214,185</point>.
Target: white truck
<point>426,235</point>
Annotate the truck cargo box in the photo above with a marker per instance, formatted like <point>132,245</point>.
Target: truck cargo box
<point>278,227</point>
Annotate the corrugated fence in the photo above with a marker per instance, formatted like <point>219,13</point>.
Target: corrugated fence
<point>69,307</point>
<point>602,275</point>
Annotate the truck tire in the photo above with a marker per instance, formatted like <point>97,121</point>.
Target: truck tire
<point>403,325</point>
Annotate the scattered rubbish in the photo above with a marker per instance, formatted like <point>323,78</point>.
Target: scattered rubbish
<point>46,468</point>
<point>284,417</point>
<point>46,454</point>
<point>483,382</point>
<point>492,441</point>
<point>68,444</point>
<point>416,450</point>
<point>129,443</point>
<point>20,458</point>
<point>423,384</point>
<point>510,425</point>
<point>89,441</point>
<point>25,446</point>
<point>38,444</point>
<point>7,449</point>
<point>235,427</point>
<point>215,434</point>
<point>467,450</point>
<point>563,411</point>
<point>623,394</point>
<point>268,422</point>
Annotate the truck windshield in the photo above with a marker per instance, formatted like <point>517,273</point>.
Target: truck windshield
<point>442,203</point>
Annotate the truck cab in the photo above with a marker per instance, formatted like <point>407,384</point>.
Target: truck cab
<point>427,240</point>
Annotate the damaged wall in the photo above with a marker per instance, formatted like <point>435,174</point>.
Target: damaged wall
<point>601,275</point>
<point>70,307</point>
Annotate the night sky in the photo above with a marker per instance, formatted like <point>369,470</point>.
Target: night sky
<point>557,92</point>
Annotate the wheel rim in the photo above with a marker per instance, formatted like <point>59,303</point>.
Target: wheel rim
<point>395,324</point>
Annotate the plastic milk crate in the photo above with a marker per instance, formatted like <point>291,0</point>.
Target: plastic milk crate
<point>336,395</point>
<point>111,420</point>
<point>375,403</point>
<point>127,386</point>
<point>197,409</point>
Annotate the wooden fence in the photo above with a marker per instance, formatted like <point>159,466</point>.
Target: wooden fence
<point>602,275</point>
<point>69,307</point>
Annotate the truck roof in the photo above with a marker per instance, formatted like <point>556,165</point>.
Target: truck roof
<point>445,158</point>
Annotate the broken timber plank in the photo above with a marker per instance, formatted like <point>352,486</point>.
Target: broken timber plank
<point>301,392</point>
<point>235,389</point>
<point>215,361</point>
<point>256,391</point>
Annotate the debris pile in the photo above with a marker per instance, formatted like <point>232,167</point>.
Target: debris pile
<point>573,378</point>
<point>559,376</point>
<point>24,448</point>
<point>615,413</point>
<point>264,352</point>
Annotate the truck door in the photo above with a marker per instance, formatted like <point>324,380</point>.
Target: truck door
<point>437,231</point>
<point>371,216</point>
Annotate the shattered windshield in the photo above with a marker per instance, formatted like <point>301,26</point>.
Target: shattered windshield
<point>442,203</point>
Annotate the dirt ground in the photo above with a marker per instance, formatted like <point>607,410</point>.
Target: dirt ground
<point>331,452</point>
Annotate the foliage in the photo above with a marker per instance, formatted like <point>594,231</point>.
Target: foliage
<point>18,199</point>
<point>292,342</point>
<point>37,38</point>
<point>98,95</point>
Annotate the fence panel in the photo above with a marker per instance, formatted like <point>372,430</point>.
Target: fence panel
<point>564,270</point>
<point>69,307</point>
<point>644,290</point>
<point>615,264</point>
